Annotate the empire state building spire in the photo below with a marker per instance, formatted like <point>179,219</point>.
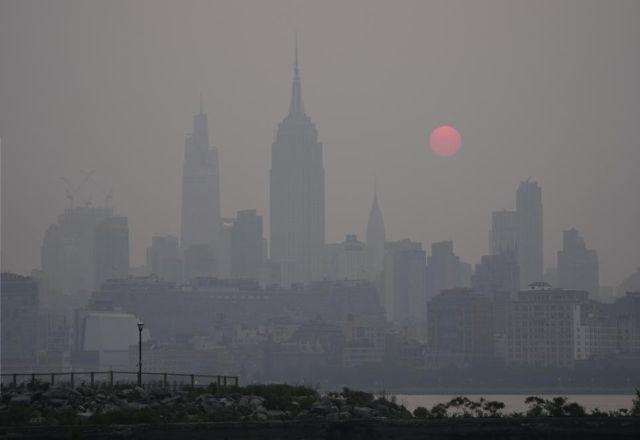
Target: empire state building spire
<point>296,106</point>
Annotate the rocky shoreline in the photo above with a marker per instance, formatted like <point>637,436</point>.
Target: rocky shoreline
<point>285,412</point>
<point>52,406</point>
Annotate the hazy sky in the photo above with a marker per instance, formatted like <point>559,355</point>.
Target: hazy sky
<point>546,89</point>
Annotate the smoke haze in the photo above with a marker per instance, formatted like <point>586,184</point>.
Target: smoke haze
<point>547,89</point>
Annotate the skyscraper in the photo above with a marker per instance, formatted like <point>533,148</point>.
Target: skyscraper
<point>496,273</point>
<point>297,192</point>
<point>351,259</point>
<point>163,258</point>
<point>529,214</point>
<point>577,265</point>
<point>69,251</point>
<point>443,268</point>
<point>200,222</point>
<point>111,249</point>
<point>19,305</point>
<point>504,232</point>
<point>246,245</point>
<point>403,286</point>
<point>374,248</point>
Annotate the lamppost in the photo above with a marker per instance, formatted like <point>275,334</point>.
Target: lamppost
<point>140,326</point>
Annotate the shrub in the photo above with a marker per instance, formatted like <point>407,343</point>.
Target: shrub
<point>357,398</point>
<point>635,408</point>
<point>556,407</point>
<point>281,396</point>
<point>421,412</point>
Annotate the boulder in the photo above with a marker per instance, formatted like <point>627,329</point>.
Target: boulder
<point>21,399</point>
<point>363,411</point>
<point>276,414</point>
<point>39,420</point>
<point>344,415</point>
<point>57,402</point>
<point>136,406</point>
<point>256,401</point>
<point>84,415</point>
<point>261,416</point>
<point>60,392</point>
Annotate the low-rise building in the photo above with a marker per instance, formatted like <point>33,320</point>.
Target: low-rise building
<point>460,324</point>
<point>543,326</point>
<point>19,323</point>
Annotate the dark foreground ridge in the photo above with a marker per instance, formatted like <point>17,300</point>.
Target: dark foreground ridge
<point>40,411</point>
<point>490,428</point>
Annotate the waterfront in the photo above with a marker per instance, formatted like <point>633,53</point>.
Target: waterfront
<point>515,402</point>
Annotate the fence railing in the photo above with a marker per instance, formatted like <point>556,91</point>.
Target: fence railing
<point>112,378</point>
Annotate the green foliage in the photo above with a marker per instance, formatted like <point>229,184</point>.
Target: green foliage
<point>555,407</point>
<point>439,411</point>
<point>16,415</point>
<point>493,407</point>
<point>635,408</point>
<point>125,417</point>
<point>282,396</point>
<point>357,398</point>
<point>421,412</point>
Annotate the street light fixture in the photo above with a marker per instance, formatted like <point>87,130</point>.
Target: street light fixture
<point>140,327</point>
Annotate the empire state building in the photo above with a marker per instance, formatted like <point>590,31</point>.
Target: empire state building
<point>297,233</point>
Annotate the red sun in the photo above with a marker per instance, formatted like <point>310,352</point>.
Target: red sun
<point>445,141</point>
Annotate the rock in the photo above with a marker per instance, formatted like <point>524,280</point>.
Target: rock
<point>172,400</point>
<point>58,402</point>
<point>84,415</point>
<point>244,401</point>
<point>226,402</point>
<point>59,393</point>
<point>160,393</point>
<point>261,416</point>
<point>21,399</point>
<point>381,408</point>
<point>37,420</point>
<point>85,391</point>
<point>344,415</point>
<point>363,411</point>
<point>109,407</point>
<point>333,417</point>
<point>211,408</point>
<point>136,406</point>
<point>304,414</point>
<point>256,401</point>
<point>323,406</point>
<point>275,414</point>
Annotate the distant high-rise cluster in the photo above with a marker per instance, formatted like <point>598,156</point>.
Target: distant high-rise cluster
<point>86,246</point>
<point>218,293</point>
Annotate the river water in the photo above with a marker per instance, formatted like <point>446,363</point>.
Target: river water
<point>515,402</point>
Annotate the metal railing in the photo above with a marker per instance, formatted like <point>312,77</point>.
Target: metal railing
<point>114,378</point>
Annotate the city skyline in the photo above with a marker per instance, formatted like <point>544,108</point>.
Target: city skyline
<point>586,186</point>
<point>217,214</point>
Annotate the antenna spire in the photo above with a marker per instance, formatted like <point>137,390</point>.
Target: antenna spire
<point>296,90</point>
<point>375,190</point>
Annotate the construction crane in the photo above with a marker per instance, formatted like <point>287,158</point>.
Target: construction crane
<point>72,191</point>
